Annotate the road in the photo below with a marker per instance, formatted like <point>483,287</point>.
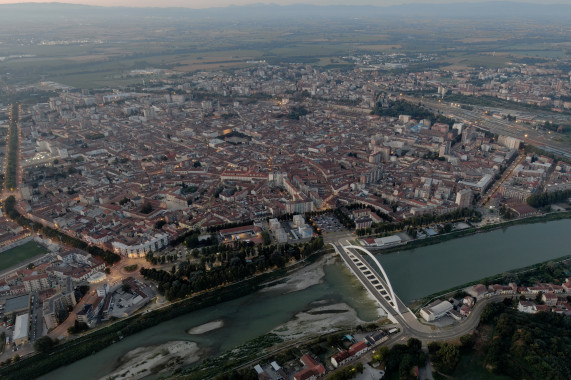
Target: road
<point>15,192</point>
<point>60,332</point>
<point>36,318</point>
<point>410,326</point>
<point>491,192</point>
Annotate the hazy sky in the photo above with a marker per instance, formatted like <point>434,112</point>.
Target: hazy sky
<point>223,3</point>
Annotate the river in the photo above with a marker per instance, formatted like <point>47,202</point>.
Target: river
<point>244,319</point>
<point>419,272</point>
<point>413,274</point>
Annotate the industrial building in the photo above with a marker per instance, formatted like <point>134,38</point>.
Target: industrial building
<point>21,329</point>
<point>435,310</point>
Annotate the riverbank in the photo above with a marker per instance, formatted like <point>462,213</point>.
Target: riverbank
<point>498,278</point>
<point>303,278</point>
<point>103,337</point>
<point>319,320</point>
<point>245,319</point>
<point>471,231</point>
<point>433,270</point>
<point>152,360</point>
<point>100,339</point>
<point>322,317</point>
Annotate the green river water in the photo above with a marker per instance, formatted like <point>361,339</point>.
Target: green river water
<point>419,272</point>
<point>413,274</point>
<point>244,319</point>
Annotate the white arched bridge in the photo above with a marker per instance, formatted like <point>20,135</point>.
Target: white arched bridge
<point>376,283</point>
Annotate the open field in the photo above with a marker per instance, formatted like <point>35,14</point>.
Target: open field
<point>101,49</point>
<point>380,47</point>
<point>544,53</point>
<point>19,254</point>
<point>471,40</point>
<point>491,60</point>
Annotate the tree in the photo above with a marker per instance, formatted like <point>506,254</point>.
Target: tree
<point>414,344</point>
<point>381,354</point>
<point>448,357</point>
<point>405,367</point>
<point>467,342</point>
<point>433,348</point>
<point>277,260</point>
<point>44,344</point>
<point>491,312</point>
<point>266,237</point>
<point>147,208</point>
<point>544,199</point>
<point>460,294</point>
<point>77,327</point>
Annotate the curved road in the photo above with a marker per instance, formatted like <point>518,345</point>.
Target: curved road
<point>410,326</point>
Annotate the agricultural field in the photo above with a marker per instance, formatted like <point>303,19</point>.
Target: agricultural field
<point>467,60</point>
<point>101,50</point>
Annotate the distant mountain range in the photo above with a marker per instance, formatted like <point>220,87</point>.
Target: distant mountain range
<point>487,10</point>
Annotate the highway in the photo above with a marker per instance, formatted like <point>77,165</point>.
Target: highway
<point>409,324</point>
<point>6,192</point>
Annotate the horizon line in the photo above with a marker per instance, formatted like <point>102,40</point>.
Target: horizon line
<point>270,3</point>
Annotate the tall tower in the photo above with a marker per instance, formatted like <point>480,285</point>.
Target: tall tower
<point>464,198</point>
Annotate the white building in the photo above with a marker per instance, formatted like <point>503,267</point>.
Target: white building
<point>509,142</point>
<point>281,235</point>
<point>299,206</point>
<point>464,198</point>
<point>459,127</point>
<point>275,224</point>
<point>435,310</point>
<point>388,241</point>
<point>103,290</point>
<point>298,220</point>
<point>305,231</point>
<point>21,329</point>
<point>526,307</point>
<point>481,185</point>
<point>155,243</point>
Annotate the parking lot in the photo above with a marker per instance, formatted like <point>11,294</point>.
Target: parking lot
<point>328,223</point>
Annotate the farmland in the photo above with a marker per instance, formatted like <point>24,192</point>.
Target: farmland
<point>102,49</point>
